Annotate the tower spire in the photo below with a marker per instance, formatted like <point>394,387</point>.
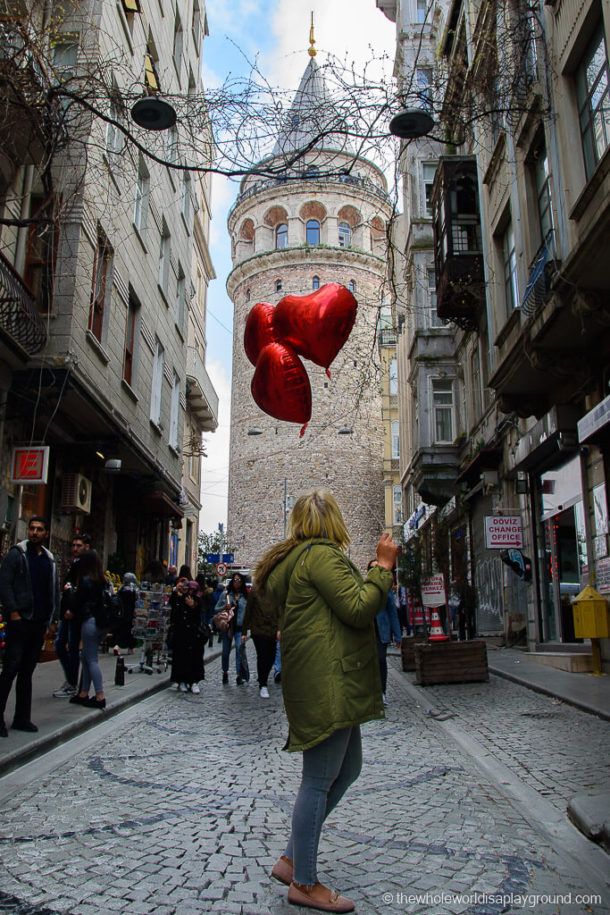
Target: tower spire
<point>312,51</point>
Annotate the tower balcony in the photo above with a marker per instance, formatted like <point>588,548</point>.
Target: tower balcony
<point>20,320</point>
<point>200,393</point>
<point>355,181</point>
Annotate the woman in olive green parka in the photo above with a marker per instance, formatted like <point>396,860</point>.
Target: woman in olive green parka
<point>330,673</point>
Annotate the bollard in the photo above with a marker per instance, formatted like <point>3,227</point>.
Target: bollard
<point>119,671</point>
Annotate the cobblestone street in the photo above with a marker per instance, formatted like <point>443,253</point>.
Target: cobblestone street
<point>181,806</point>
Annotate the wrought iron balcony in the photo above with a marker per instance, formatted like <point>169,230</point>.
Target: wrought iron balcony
<point>355,180</point>
<point>538,286</point>
<point>20,320</point>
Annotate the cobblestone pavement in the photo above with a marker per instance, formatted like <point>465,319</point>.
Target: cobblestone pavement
<point>183,809</point>
<point>555,748</point>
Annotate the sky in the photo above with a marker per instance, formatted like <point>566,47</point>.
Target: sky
<point>275,33</point>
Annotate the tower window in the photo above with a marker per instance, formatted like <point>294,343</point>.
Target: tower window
<point>315,283</point>
<point>345,235</point>
<point>281,235</point>
<point>312,232</point>
<point>278,285</point>
<point>351,286</point>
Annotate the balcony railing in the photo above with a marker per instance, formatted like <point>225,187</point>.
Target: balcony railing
<point>200,392</point>
<point>353,180</point>
<point>539,281</point>
<point>19,317</point>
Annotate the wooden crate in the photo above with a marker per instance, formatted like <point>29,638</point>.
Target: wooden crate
<point>407,650</point>
<point>451,662</point>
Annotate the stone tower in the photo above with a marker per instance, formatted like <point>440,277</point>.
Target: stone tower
<point>324,223</point>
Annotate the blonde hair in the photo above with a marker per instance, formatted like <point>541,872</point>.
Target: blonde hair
<point>317,514</point>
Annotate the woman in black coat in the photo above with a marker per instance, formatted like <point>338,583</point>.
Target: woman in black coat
<point>187,637</point>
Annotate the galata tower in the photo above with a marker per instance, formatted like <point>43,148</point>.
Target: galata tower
<point>322,221</point>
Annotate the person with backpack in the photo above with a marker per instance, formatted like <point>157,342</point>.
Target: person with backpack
<point>90,606</point>
<point>233,600</point>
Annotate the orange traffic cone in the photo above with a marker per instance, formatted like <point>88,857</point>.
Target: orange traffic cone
<point>436,633</point>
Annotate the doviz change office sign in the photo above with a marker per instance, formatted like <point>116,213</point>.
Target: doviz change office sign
<point>503,532</point>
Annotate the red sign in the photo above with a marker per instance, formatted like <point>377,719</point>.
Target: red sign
<point>30,465</point>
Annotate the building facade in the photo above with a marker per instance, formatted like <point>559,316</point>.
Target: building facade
<point>326,224</point>
<point>520,208</point>
<point>103,253</point>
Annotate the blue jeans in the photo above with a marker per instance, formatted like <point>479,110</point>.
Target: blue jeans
<point>226,651</point>
<point>329,769</point>
<point>91,637</point>
<point>66,646</point>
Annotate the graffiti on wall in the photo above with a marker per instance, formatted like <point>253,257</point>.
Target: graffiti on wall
<point>488,582</point>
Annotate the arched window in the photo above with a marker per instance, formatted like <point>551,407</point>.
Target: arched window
<point>278,285</point>
<point>345,235</point>
<point>312,232</point>
<point>248,294</point>
<point>315,283</point>
<point>281,235</point>
<point>351,286</point>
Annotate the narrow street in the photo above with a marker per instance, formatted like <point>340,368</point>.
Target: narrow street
<point>181,804</point>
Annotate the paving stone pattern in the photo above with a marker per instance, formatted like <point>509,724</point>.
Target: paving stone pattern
<point>185,809</point>
<point>554,748</point>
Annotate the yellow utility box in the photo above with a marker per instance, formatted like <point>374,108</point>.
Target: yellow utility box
<point>591,615</point>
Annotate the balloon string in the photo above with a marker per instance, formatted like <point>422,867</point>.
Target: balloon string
<point>302,432</point>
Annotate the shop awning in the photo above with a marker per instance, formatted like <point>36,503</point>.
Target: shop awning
<point>160,503</point>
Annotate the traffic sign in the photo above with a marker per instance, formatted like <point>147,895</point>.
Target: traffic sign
<point>228,558</point>
<point>221,568</point>
<point>212,558</point>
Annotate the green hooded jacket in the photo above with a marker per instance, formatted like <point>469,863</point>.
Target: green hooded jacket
<point>330,670</point>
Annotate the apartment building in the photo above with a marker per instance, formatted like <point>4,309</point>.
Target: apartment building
<point>520,210</point>
<point>104,266</point>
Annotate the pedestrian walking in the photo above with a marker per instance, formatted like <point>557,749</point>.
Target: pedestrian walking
<point>67,639</point>
<point>261,621</point>
<point>186,637</point>
<point>29,593</point>
<point>123,632</point>
<point>330,674</point>
<point>90,610</point>
<point>387,630</point>
<point>234,596</point>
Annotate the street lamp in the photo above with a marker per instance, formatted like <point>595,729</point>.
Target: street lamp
<point>411,124</point>
<point>152,113</point>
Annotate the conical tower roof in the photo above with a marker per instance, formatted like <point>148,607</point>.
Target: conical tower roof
<point>312,118</point>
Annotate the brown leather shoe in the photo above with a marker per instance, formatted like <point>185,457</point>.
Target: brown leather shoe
<point>282,870</point>
<point>319,897</point>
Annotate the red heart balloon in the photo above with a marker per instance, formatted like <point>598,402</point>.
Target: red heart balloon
<point>280,385</point>
<point>316,325</point>
<point>259,330</point>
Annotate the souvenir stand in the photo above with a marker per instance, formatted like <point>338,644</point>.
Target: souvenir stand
<point>150,625</point>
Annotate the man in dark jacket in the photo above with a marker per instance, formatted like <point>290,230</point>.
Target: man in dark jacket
<point>67,639</point>
<point>29,593</point>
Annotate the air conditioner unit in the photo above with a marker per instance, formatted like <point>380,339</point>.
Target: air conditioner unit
<point>76,493</point>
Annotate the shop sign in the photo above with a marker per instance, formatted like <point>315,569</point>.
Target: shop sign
<point>602,575</point>
<point>503,532</point>
<point>447,509</point>
<point>433,591</point>
<point>594,421</point>
<point>30,465</point>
